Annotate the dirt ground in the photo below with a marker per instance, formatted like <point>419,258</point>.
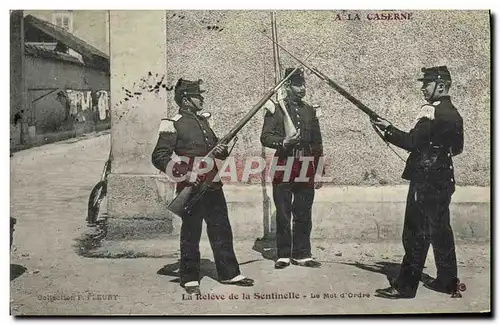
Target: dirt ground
<point>49,277</point>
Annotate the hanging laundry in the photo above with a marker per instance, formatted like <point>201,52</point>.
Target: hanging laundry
<point>86,100</point>
<point>103,104</point>
<point>72,102</point>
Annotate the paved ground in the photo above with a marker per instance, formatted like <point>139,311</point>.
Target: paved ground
<point>50,186</point>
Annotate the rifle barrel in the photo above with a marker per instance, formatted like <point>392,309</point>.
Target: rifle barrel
<point>349,97</point>
<point>241,123</point>
<point>330,82</point>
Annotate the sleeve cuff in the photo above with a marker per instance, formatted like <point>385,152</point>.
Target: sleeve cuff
<point>223,155</point>
<point>279,143</point>
<point>180,169</point>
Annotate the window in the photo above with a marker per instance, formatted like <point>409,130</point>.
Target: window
<point>63,19</point>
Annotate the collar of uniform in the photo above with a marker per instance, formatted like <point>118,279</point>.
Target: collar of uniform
<point>441,99</point>
<point>187,112</point>
<point>296,102</point>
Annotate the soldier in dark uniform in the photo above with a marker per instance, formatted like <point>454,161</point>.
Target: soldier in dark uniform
<point>189,134</point>
<point>292,196</point>
<point>435,139</point>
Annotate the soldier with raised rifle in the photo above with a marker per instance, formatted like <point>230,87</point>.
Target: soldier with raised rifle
<point>189,135</point>
<point>293,195</point>
<point>433,141</point>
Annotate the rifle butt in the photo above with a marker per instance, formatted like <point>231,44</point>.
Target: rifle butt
<point>178,205</point>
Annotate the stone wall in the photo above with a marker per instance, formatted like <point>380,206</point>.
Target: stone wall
<point>377,61</point>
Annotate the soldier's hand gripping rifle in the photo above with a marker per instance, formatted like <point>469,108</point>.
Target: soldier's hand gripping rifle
<point>188,196</point>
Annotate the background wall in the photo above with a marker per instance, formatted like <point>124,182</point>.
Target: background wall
<point>376,61</point>
<point>43,74</point>
<point>17,85</point>
<point>137,51</point>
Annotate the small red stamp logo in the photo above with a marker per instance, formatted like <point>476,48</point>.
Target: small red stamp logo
<point>458,287</point>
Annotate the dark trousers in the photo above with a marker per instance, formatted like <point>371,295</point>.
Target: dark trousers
<point>213,209</point>
<point>293,241</point>
<point>427,221</point>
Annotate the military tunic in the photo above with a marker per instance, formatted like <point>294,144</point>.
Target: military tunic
<point>190,135</point>
<point>435,139</point>
<point>304,119</point>
<point>296,243</point>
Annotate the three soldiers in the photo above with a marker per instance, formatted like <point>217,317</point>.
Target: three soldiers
<point>435,139</point>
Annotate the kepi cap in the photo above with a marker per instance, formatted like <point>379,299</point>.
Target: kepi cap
<point>297,77</point>
<point>435,73</point>
<point>188,88</point>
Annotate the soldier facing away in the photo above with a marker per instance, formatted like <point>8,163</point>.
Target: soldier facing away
<point>189,134</point>
<point>434,140</point>
<point>292,196</point>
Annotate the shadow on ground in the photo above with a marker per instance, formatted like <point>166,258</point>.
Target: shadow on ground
<point>389,269</point>
<point>88,241</point>
<point>16,271</point>
<point>267,247</point>
<point>207,269</point>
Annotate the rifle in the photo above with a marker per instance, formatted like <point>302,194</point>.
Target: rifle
<point>186,199</point>
<point>373,116</point>
<point>342,91</point>
<point>330,82</point>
